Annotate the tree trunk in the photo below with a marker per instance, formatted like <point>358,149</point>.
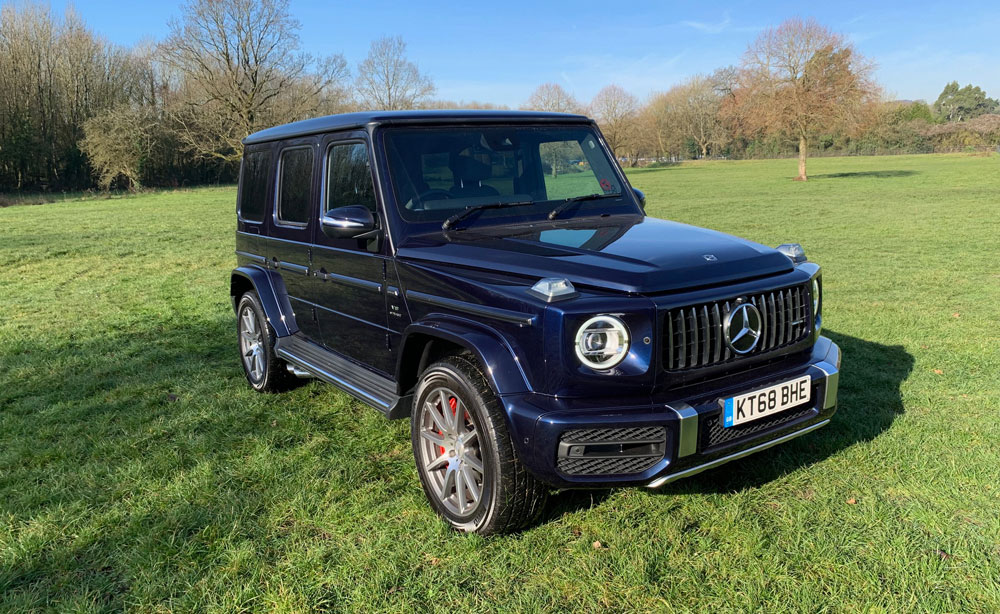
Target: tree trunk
<point>704,150</point>
<point>803,146</point>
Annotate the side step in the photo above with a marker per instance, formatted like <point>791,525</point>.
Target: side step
<point>357,381</point>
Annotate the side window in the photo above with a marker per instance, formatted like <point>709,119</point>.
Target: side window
<point>348,178</point>
<point>253,185</point>
<point>294,185</point>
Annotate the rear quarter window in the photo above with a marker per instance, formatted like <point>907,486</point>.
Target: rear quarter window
<point>253,185</point>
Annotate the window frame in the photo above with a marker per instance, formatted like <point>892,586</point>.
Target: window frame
<point>239,187</point>
<point>325,179</point>
<point>279,167</point>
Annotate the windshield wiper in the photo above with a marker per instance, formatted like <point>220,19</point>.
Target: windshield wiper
<point>464,213</point>
<point>569,202</point>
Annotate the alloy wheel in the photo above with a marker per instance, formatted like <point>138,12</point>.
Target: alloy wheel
<point>450,451</point>
<point>252,344</point>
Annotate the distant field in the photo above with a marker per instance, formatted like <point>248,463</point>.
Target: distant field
<point>138,472</point>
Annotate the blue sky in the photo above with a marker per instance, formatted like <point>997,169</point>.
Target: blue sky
<point>500,52</point>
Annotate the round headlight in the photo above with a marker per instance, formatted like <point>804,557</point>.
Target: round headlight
<point>815,295</point>
<point>602,342</point>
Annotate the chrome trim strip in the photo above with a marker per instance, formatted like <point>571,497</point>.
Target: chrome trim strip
<point>736,455</point>
<point>294,268</point>
<point>254,257</point>
<point>505,315</point>
<point>353,282</point>
<point>333,379</point>
<point>831,385</point>
<point>687,429</point>
<point>315,246</point>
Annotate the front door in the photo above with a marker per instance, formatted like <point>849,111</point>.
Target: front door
<point>351,292</point>
<point>292,224</point>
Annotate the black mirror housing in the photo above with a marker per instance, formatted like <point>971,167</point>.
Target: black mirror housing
<point>641,197</point>
<point>347,222</point>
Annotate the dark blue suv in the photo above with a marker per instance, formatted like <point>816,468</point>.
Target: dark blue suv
<point>493,277</point>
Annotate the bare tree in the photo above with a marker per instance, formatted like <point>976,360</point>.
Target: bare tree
<point>388,81</point>
<point>118,142</point>
<point>691,110</point>
<point>801,78</point>
<point>552,97</point>
<point>616,111</point>
<point>241,71</point>
<point>658,127</point>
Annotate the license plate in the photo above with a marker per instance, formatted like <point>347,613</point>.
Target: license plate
<point>766,401</point>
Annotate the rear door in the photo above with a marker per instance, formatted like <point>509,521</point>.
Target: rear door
<point>291,227</point>
<point>351,295</point>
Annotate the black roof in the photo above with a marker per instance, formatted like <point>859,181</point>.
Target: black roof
<point>356,120</point>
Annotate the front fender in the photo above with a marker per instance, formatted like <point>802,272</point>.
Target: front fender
<point>270,289</point>
<point>501,367</point>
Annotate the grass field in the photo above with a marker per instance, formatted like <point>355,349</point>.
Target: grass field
<point>138,471</point>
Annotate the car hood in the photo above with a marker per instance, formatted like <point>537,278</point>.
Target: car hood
<point>625,253</point>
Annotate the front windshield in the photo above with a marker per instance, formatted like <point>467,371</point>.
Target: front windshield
<point>438,172</point>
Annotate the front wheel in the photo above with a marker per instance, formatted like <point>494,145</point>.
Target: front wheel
<point>464,454</point>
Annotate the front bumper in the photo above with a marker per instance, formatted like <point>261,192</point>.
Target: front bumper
<point>652,441</point>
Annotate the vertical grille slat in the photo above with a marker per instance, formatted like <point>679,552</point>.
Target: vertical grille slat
<point>671,353</point>
<point>790,318</point>
<point>694,334</point>
<point>717,327</point>
<point>693,324</point>
<point>781,318</point>
<point>773,322</point>
<point>681,359</point>
<point>706,337</point>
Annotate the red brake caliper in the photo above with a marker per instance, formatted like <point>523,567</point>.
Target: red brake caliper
<point>453,404</point>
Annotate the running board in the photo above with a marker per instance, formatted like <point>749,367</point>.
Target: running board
<point>357,381</point>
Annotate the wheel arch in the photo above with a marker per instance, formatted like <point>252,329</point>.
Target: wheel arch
<point>271,291</point>
<point>428,340</point>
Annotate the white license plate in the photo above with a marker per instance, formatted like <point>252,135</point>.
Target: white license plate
<point>766,401</point>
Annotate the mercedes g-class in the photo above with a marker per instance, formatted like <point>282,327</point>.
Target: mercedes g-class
<point>493,277</point>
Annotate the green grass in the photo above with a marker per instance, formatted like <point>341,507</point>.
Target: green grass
<point>138,472</point>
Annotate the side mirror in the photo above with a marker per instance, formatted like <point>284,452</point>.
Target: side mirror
<point>347,222</point>
<point>641,197</point>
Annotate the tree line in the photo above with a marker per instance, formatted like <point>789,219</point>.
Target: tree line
<point>77,111</point>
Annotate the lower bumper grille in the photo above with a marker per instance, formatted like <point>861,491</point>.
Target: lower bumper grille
<point>714,434</point>
<point>610,451</point>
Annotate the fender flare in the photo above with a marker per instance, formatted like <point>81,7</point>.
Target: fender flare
<point>270,289</point>
<point>503,372</point>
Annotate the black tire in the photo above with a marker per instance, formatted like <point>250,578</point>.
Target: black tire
<point>510,498</point>
<point>270,374</point>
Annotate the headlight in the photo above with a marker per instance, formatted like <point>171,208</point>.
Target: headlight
<point>816,295</point>
<point>602,342</point>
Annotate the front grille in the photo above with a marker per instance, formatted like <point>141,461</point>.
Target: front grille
<point>693,335</point>
<point>714,434</point>
<point>610,451</point>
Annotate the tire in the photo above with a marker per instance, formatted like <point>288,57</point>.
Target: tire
<point>255,339</point>
<point>470,450</point>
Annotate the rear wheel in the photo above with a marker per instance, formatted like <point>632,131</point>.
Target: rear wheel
<point>263,369</point>
<point>464,454</point>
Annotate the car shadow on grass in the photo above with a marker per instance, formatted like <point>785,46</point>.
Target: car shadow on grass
<point>869,401</point>
<point>865,174</point>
